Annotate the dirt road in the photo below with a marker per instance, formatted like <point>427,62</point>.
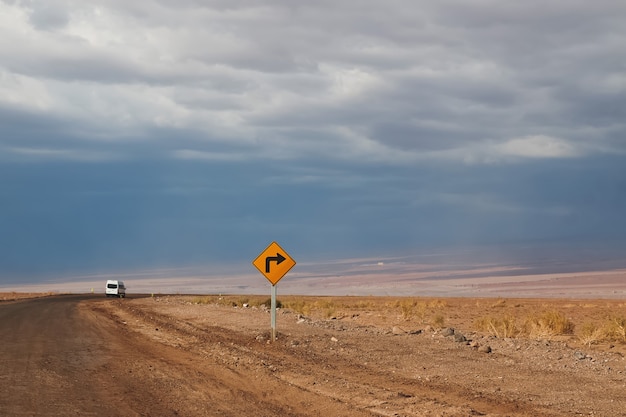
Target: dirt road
<point>49,358</point>
<point>55,361</point>
<point>166,356</point>
<point>60,359</point>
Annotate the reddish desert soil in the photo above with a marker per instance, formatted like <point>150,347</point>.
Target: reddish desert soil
<point>333,356</point>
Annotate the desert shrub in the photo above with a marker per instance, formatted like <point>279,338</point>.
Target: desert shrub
<point>329,312</point>
<point>547,324</point>
<point>590,334</point>
<point>201,299</point>
<point>410,309</point>
<point>360,304</point>
<point>500,302</point>
<point>325,304</point>
<point>223,301</point>
<point>299,306</point>
<point>438,304</point>
<point>420,311</point>
<point>268,303</point>
<point>498,326</point>
<point>484,324</point>
<point>616,328</point>
<point>407,307</point>
<point>241,301</point>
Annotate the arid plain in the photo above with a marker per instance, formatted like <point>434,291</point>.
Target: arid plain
<point>359,337</point>
<point>205,355</point>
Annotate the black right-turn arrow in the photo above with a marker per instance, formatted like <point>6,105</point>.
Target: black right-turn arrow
<point>278,259</point>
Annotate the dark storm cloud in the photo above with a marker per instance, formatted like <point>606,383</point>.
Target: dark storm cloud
<point>165,133</point>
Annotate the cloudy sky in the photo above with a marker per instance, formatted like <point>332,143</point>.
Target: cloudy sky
<point>161,133</point>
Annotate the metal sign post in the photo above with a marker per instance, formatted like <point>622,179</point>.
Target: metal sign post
<point>273,263</point>
<point>273,313</point>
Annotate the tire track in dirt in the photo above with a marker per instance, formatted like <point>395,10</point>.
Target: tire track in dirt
<point>195,381</point>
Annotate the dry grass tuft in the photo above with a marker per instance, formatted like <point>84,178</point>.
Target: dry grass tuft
<point>548,324</point>
<point>591,334</point>
<point>499,327</point>
<point>438,304</point>
<point>407,308</point>
<point>413,309</point>
<point>206,299</point>
<point>299,306</point>
<point>616,328</point>
<point>543,325</point>
<point>499,303</point>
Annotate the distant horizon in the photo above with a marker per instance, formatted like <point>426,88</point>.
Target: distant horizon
<point>459,271</point>
<point>542,252</point>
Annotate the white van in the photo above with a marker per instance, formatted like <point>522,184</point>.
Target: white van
<point>115,289</point>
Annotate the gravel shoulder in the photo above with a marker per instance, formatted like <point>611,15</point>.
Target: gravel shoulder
<point>356,356</point>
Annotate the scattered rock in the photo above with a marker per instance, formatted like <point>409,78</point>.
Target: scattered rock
<point>398,330</point>
<point>484,349</point>
<point>334,339</point>
<point>459,337</point>
<point>448,331</point>
<point>455,334</point>
<point>580,355</point>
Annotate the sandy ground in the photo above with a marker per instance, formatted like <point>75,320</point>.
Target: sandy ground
<point>351,356</point>
<point>398,356</point>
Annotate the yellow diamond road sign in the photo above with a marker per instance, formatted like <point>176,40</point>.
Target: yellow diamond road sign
<point>274,263</point>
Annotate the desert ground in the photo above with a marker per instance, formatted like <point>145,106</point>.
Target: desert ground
<point>212,355</point>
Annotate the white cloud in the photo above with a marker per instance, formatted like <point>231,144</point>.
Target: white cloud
<point>247,73</point>
<point>492,203</point>
<point>206,156</point>
<point>47,154</point>
<point>509,150</point>
<point>21,92</point>
<point>350,82</point>
<point>539,146</point>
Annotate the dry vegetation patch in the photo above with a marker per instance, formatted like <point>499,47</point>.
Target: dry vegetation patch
<point>13,295</point>
<point>591,323</point>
